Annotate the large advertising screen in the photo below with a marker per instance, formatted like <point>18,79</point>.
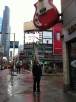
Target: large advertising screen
<point>57,41</point>
<point>12,44</point>
<point>31,37</point>
<point>47,41</point>
<point>47,34</point>
<point>47,37</point>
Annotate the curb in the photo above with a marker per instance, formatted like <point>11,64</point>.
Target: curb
<point>53,74</point>
<point>58,74</point>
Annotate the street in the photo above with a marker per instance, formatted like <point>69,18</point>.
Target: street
<point>18,87</point>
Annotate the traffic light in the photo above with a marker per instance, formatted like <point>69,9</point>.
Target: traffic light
<point>37,43</point>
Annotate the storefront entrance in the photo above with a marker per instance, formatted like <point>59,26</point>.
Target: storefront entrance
<point>72,64</point>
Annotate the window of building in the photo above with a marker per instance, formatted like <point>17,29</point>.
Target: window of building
<point>72,61</point>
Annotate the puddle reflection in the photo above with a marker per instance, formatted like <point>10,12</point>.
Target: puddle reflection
<point>10,86</point>
<point>36,97</point>
<point>33,97</point>
<point>11,80</point>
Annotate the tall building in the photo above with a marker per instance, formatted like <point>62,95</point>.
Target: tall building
<point>69,45</point>
<point>50,48</point>
<point>6,29</point>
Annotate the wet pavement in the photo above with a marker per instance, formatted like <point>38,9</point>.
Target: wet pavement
<point>18,87</point>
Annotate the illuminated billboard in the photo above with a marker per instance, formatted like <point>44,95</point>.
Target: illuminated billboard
<point>31,37</point>
<point>45,41</point>
<point>47,34</point>
<point>12,44</point>
<point>47,37</point>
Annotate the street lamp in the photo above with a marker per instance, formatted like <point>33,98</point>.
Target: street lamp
<point>13,47</point>
<point>34,52</point>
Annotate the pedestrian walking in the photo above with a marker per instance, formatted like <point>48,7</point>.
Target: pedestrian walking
<point>12,69</point>
<point>18,67</point>
<point>37,73</point>
<point>55,70</point>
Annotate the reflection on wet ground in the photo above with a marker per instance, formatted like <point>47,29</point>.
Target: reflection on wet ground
<point>18,87</point>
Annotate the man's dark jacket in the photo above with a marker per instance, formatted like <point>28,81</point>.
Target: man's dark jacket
<point>37,71</point>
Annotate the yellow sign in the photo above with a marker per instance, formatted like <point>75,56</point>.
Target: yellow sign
<point>30,26</point>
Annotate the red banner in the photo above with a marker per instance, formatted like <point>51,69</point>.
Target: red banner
<point>57,42</point>
<point>21,56</point>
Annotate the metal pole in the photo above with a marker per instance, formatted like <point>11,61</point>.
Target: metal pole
<point>13,48</point>
<point>33,51</point>
<point>14,51</point>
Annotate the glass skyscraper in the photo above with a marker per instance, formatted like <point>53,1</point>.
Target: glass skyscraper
<point>6,29</point>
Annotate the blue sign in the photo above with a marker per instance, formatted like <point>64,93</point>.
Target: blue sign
<point>12,44</point>
<point>0,24</point>
<point>16,44</point>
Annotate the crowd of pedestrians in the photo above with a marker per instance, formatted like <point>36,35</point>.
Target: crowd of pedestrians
<point>19,67</point>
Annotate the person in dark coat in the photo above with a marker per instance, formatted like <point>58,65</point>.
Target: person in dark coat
<point>12,69</point>
<point>37,73</point>
<point>18,67</point>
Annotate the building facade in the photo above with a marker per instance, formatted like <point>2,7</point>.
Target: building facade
<point>50,48</point>
<point>69,44</point>
<point>6,29</point>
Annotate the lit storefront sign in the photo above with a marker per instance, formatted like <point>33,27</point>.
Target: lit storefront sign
<point>72,29</point>
<point>31,37</point>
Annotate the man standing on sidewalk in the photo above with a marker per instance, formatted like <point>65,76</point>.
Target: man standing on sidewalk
<point>37,73</point>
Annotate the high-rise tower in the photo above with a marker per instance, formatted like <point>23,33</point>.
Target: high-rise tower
<point>6,29</point>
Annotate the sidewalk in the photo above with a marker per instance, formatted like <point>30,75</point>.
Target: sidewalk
<point>18,88</point>
<point>46,74</point>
